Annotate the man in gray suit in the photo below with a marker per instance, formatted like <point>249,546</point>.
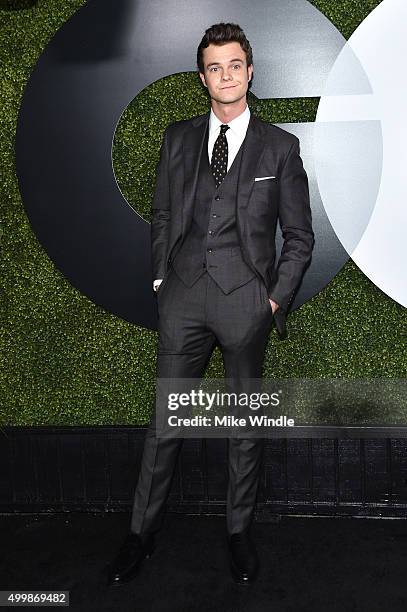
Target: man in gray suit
<point>223,181</point>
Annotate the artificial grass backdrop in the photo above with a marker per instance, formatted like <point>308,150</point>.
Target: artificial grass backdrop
<point>66,361</point>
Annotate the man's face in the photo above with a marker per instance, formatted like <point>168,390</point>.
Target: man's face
<point>226,74</point>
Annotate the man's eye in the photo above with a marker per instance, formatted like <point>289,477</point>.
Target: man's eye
<point>213,68</point>
<point>236,66</point>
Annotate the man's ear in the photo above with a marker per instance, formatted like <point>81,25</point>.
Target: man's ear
<point>250,71</point>
<point>202,77</point>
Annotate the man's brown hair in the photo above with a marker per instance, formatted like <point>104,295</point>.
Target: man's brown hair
<point>219,34</point>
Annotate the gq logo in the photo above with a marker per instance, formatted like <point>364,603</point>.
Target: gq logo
<point>112,49</point>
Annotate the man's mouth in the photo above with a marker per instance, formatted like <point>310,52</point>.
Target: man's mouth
<point>229,87</point>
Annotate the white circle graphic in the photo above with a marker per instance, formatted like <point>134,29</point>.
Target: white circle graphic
<point>360,152</point>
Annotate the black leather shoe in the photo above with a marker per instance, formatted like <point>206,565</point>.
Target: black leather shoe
<point>131,555</point>
<point>244,563</point>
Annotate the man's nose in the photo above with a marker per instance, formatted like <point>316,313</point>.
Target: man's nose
<point>226,76</point>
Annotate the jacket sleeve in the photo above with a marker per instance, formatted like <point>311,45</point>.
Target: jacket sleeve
<point>296,227</point>
<point>161,214</point>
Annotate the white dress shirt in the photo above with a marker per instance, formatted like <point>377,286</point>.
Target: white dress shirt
<point>234,135</point>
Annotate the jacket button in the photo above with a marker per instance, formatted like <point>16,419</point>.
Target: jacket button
<point>217,198</point>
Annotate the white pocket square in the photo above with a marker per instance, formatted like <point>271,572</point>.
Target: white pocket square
<point>263,178</point>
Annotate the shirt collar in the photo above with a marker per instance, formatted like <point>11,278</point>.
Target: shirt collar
<point>238,124</point>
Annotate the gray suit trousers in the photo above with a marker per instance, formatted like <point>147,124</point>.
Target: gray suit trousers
<point>191,321</point>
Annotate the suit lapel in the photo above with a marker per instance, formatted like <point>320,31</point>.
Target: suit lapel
<point>193,145</point>
<point>252,153</point>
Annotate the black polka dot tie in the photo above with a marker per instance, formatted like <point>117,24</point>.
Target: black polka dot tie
<point>219,162</point>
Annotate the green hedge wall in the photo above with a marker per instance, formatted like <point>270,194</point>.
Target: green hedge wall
<point>66,361</point>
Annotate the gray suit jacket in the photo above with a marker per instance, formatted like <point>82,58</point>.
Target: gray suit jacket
<point>268,151</point>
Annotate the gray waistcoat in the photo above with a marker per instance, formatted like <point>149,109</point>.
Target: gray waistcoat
<point>212,243</point>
